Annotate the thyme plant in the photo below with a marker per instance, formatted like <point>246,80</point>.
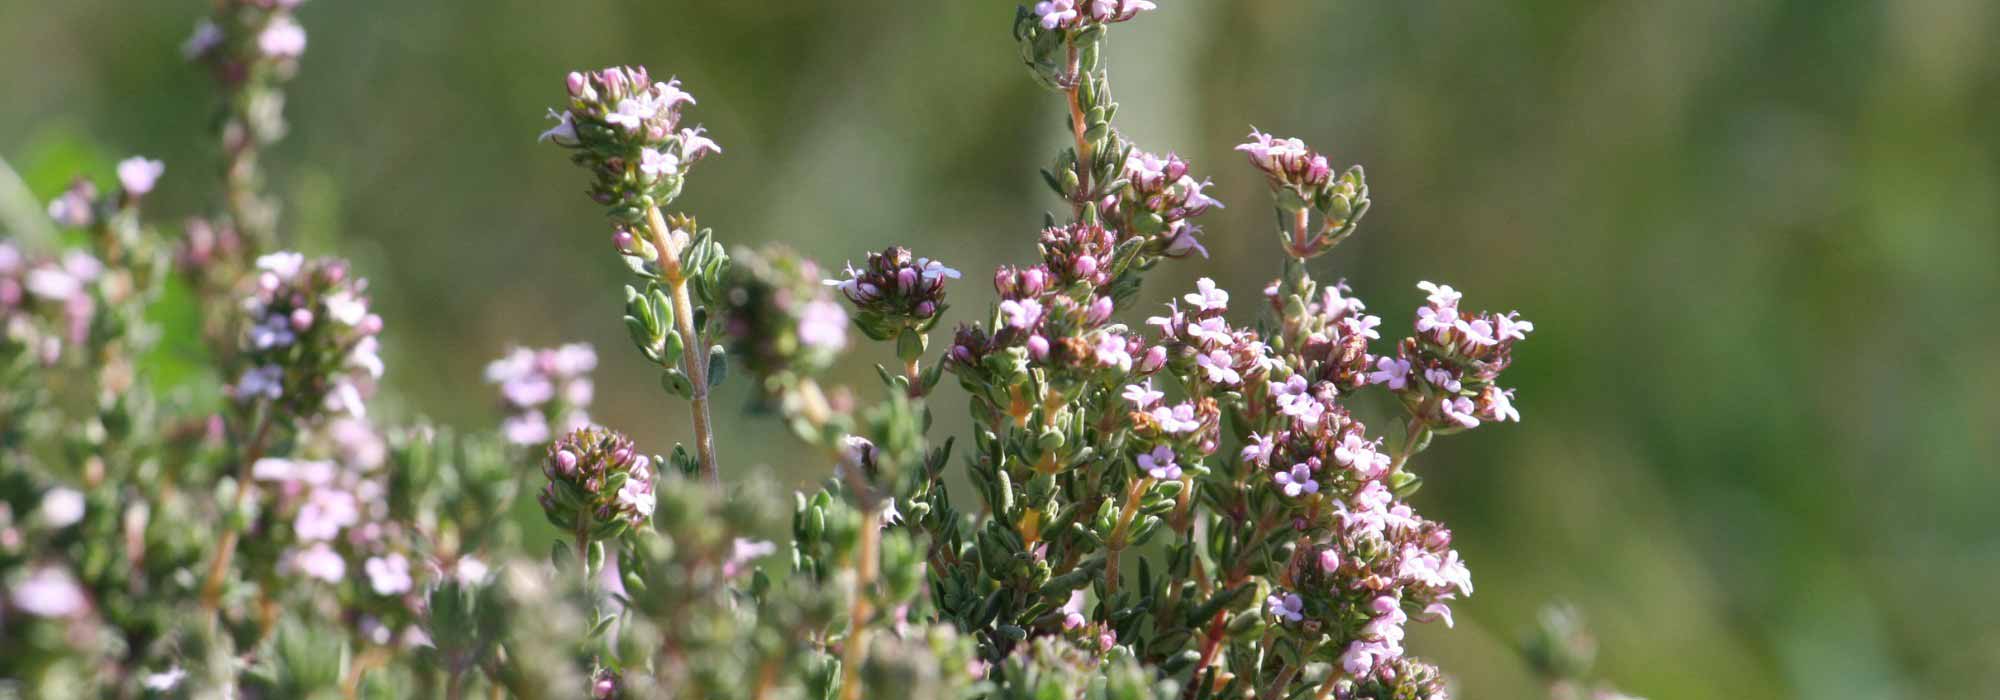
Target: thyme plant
<point>1161,502</point>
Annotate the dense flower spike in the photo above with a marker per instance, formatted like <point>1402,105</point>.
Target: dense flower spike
<point>309,341</point>
<point>781,321</point>
<point>893,291</point>
<point>1304,184</point>
<point>626,129</point>
<point>1167,500</point>
<point>599,484</point>
<point>544,390</point>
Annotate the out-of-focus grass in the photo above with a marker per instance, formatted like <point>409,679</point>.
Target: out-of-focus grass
<point>1757,238</point>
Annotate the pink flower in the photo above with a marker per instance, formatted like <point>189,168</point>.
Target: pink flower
<point>388,575</point>
<point>1259,450</point>
<point>1363,456</point>
<point>325,513</point>
<point>50,591</point>
<point>1159,464</point>
<point>1329,561</point>
<point>1478,331</point>
<point>1111,352</point>
<point>1512,327</point>
<point>742,552</point>
<point>1393,371</point>
<point>1435,319</point>
<point>282,38</point>
<point>1143,395</point>
<point>1022,314</point>
<point>1499,405</point>
<point>1461,411</point>
<point>321,562</point>
<point>563,133</point>
<point>633,112</point>
<point>1288,607</point>
<point>1072,610</point>
<point>695,144</point>
<point>1441,295</point>
<point>823,325</point>
<point>1297,481</point>
<point>1178,419</point>
<point>137,174</point>
<point>1295,399</point>
<point>1207,297</point>
<point>656,162</point>
<point>1055,13</point>
<point>1217,365</point>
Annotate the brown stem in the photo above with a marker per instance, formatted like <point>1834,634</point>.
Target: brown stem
<point>211,588</point>
<point>694,358</point>
<point>857,632</point>
<point>1083,157</point>
<point>1116,543</point>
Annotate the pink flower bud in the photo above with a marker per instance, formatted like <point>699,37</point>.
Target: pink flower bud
<point>926,310</point>
<point>302,319</point>
<point>1100,310</point>
<point>1038,347</point>
<point>1034,280</point>
<point>1086,265</point>
<point>1156,357</point>
<point>1382,605</point>
<point>1329,561</point>
<point>624,242</point>
<point>574,81</point>
<point>906,280</point>
<point>370,325</point>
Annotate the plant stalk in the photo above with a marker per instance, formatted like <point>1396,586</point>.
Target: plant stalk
<point>694,359</point>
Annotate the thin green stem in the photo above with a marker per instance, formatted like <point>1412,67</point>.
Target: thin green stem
<point>694,358</point>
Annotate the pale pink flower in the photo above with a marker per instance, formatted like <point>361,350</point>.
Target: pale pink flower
<point>1159,464</point>
<point>388,575</point>
<point>1143,395</point>
<point>1393,371</point>
<point>1296,482</point>
<point>282,38</point>
<point>49,591</point>
<point>1208,297</point>
<point>321,562</point>
<point>138,174</point>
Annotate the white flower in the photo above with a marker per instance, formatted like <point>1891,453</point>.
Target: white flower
<point>61,507</point>
<point>50,591</point>
<point>282,38</point>
<point>138,175</point>
<point>656,162</point>
<point>321,562</point>
<point>346,307</point>
<point>165,680</point>
<point>638,490</point>
<point>325,513</point>
<point>1441,294</point>
<point>1207,296</point>
<point>388,575</point>
<point>695,144</point>
<point>1143,395</point>
<point>563,133</point>
<point>367,356</point>
<point>633,111</point>
<point>823,325</point>
<point>471,570</point>
<point>284,264</point>
<point>1393,371</point>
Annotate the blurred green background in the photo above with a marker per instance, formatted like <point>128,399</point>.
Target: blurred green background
<point>1757,238</point>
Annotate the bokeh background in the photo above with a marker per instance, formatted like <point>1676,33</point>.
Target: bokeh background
<point>1758,238</point>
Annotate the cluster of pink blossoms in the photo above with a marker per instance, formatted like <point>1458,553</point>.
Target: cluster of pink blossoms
<point>626,128</point>
<point>310,342</point>
<point>1072,14</point>
<point>544,390</point>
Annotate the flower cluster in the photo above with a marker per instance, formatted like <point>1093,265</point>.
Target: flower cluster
<point>309,344</point>
<point>1304,183</point>
<point>46,304</point>
<point>780,319</point>
<point>626,128</point>
<point>1074,14</point>
<point>1445,372</point>
<point>543,387</point>
<point>1158,202</point>
<point>893,291</point>
<point>599,484</point>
